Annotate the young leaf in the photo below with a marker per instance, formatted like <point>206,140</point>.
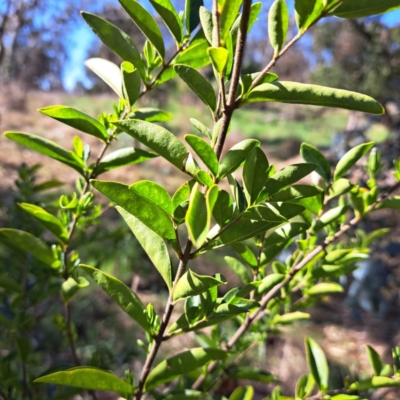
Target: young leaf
<point>71,287</point>
<point>204,178</point>
<point>167,12</point>
<point>242,393</point>
<point>192,18</point>
<point>306,12</point>
<point>52,223</point>
<point>234,158</point>
<point>152,244</point>
<point>374,360</point>
<point>157,139</point>
<point>375,382</point>
<point>228,11</point>
<point>200,85</point>
<point>219,58</point>
<point>121,294</point>
<point>149,213</point>
<point>131,82</point>
<point>317,363</point>
<point>300,93</point>
<point>29,244</point>
<point>255,174</point>
<point>365,8</point>
<point>204,151</point>
<point>350,158</point>
<point>324,288</point>
<point>108,72</point>
<point>146,23</point>
<point>116,40</point>
<point>269,282</point>
<point>76,119</point>
<point>192,284</point>
<point>150,114</point>
<point>181,364</point>
<point>312,155</point>
<point>305,386</point>
<point>240,270</point>
<point>206,23</point>
<point>290,318</point>
<point>330,216</point>
<point>87,378</point>
<point>278,25</point>
<point>122,157</point>
<point>48,148</point>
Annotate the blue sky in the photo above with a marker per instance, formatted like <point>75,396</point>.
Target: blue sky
<point>83,38</point>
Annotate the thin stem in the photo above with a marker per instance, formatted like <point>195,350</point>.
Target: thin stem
<point>164,322</point>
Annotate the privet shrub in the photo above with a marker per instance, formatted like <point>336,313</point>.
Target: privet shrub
<point>264,213</point>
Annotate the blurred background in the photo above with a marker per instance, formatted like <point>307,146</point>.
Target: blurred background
<point>43,46</point>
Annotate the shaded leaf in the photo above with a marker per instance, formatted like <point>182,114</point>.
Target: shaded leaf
<point>192,17</point>
<point>131,82</point>
<point>240,270</point>
<point>365,8</point>
<point>312,155</point>
<point>251,374</point>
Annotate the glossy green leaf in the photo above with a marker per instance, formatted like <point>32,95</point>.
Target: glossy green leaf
<point>204,178</point>
<point>312,155</point>
<point>167,12</point>
<point>207,24</point>
<point>240,270</point>
<point>236,155</point>
<point>131,82</point>
<point>200,85</point>
<point>76,119</point>
<point>306,12</point>
<point>204,151</point>
<point>121,294</point>
<point>116,40</point>
<point>150,114</point>
<point>284,178</point>
<point>192,284</point>
<point>374,360</point>
<point>296,192</point>
<point>182,194</point>
<point>269,282</point>
<point>149,213</point>
<point>52,223</point>
<point>8,283</point>
<point>158,139</point>
<point>71,287</point>
<point>152,244</point>
<point>375,382</point>
<point>48,148</point>
<point>109,72</point>
<point>350,158</point>
<point>290,318</point>
<point>251,374</point>
<point>192,18</point>
<point>87,378</point>
<point>278,25</point>
<point>181,364</point>
<point>317,363</point>
<point>146,23</point>
<point>300,93</point>
<point>365,8</point>
<point>228,11</point>
<point>255,174</point>
<point>242,393</point>
<point>122,157</point>
<point>28,243</point>
<point>324,288</point>
<point>219,58</point>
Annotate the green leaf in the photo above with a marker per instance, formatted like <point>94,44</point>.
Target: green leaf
<point>201,128</point>
<point>374,360</point>
<point>350,158</point>
<point>324,288</point>
<point>48,148</point>
<point>228,11</point>
<point>284,178</point>
<point>146,23</point>
<point>87,378</point>
<point>285,233</point>
<point>195,55</point>
<point>330,216</point>
<point>192,18</point>
<point>392,203</point>
<point>116,40</point>
<point>247,80</point>
<point>123,157</point>
<point>76,119</point>
<point>296,192</point>
<point>28,243</point>
<point>255,174</point>
<point>150,114</point>
<point>365,8</point>
<point>278,25</point>
<point>109,72</point>
<point>182,194</point>
<point>204,178</point>
<point>152,244</point>
<point>246,254</point>
<point>254,12</point>
<point>240,270</point>
<point>312,155</point>
<point>345,397</point>
<point>223,209</point>
<point>121,294</point>
<point>251,374</point>
<point>236,155</point>
<point>192,284</point>
<point>71,287</point>
<point>181,364</point>
<point>52,223</point>
<point>306,12</point>
<point>242,393</point>
<point>290,317</point>
<point>375,382</point>
<point>204,151</point>
<point>269,282</point>
<point>24,347</point>
<point>131,82</point>
<point>305,386</point>
<point>157,139</point>
<point>167,12</point>
<point>10,284</point>
<point>300,93</point>
<point>317,363</point>
<point>219,58</point>
<point>340,187</point>
<point>149,213</point>
<point>200,85</point>
<point>206,23</point>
